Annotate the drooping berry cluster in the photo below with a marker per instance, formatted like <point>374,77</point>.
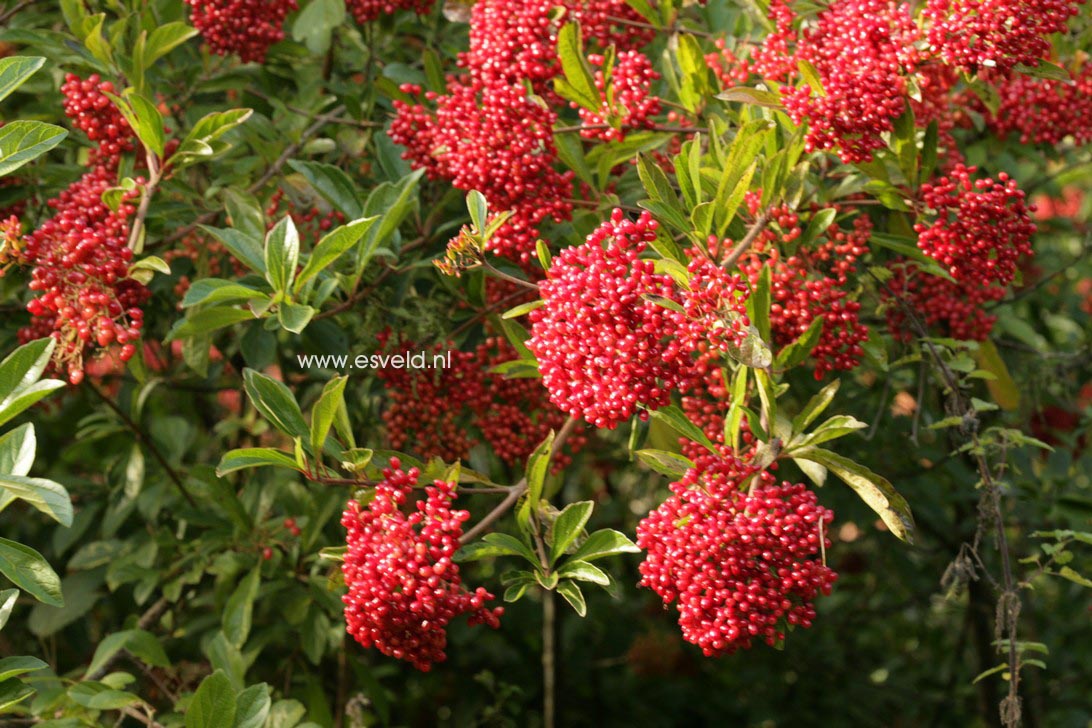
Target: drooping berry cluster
<point>631,104</point>
<point>404,588</point>
<point>735,552</point>
<point>246,28</point>
<point>80,259</point>
<point>92,111</point>
<point>603,346</point>
<point>997,34</point>
<point>981,228</point>
<point>860,50</point>
<point>365,11</point>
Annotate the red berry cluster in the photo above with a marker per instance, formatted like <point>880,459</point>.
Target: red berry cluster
<point>365,11</point>
<point>92,111</point>
<point>603,347</point>
<point>738,564</point>
<point>860,50</point>
<point>715,305</point>
<point>435,413</point>
<point>812,282</point>
<point>996,34</point>
<point>981,229</point>
<point>80,260</point>
<point>631,103</point>
<point>1042,110</point>
<point>956,307</point>
<point>314,220</point>
<point>404,588</point>
<point>497,140</point>
<point>424,406</point>
<point>246,28</point>
<point>515,415</point>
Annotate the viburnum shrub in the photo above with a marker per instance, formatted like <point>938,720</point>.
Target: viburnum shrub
<point>586,316</point>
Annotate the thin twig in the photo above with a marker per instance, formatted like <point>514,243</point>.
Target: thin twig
<point>748,240</point>
<point>517,490</point>
<point>314,114</point>
<point>147,441</point>
<point>649,26</point>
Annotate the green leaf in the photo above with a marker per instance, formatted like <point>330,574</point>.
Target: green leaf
<point>815,406</point>
<point>17,450</point>
<point>207,320</point>
<point>294,317</point>
<point>282,254</point>
<point>213,705</point>
<point>315,25</point>
<point>754,96</point>
<point>139,642</point>
<point>48,497</point>
<point>538,466</point>
<point>758,304</point>
<point>811,77</point>
<point>252,706</point>
<point>325,410</point>
<point>674,418</point>
<point>493,545</point>
<point>276,403</point>
<point>15,70</point>
<point>666,463</point>
<point>8,598</point>
<point>165,39</point>
<point>478,208</point>
<point>1067,572</point>
<point>333,246</point>
<point>12,693</point>
<point>146,121</point>
<point>247,250</point>
<point>240,608</point>
<point>603,543</point>
<point>522,309</point>
<point>583,571</point>
<point>333,184</point>
<point>568,527</point>
<point>832,429</point>
<point>14,666</point>
<point>753,352</point>
<point>873,489</point>
<point>573,596</point>
<point>1044,69</point>
<point>218,290</point>
<point>818,225</point>
<point>578,83</point>
<point>23,141</point>
<point>28,570</point>
<point>795,353</point>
